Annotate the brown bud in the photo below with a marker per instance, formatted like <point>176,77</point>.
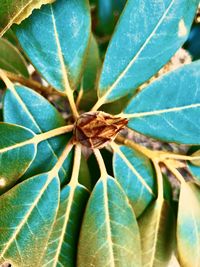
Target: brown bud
<point>96,129</point>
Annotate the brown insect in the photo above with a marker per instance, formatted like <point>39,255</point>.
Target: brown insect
<point>96,129</point>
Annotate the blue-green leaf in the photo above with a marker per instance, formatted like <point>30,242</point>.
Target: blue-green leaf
<point>188,226</point>
<point>11,59</point>
<point>25,107</point>
<point>169,108</point>
<point>136,175</point>
<point>55,39</point>
<point>109,233</point>
<point>62,245</point>
<point>27,214</point>
<point>14,159</point>
<point>135,53</point>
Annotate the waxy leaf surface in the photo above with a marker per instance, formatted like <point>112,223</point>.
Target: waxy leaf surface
<point>135,174</point>
<point>157,233</point>
<point>27,214</point>
<point>169,108</point>
<point>25,107</point>
<point>134,53</point>
<point>109,233</point>
<point>11,59</point>
<point>15,11</point>
<point>14,159</point>
<point>188,226</point>
<point>55,39</point>
<point>62,245</point>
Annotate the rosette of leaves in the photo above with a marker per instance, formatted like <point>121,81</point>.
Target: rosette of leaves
<point>55,211</point>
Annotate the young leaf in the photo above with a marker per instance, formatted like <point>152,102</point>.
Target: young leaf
<point>27,214</point>
<point>62,244</point>
<point>11,59</point>
<point>14,159</point>
<point>15,11</point>
<point>188,226</point>
<point>136,176</point>
<point>56,38</point>
<point>109,234</point>
<point>134,53</point>
<point>163,110</point>
<point>25,107</point>
<point>157,232</point>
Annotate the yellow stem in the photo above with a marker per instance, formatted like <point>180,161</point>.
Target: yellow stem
<point>156,154</point>
<point>61,159</point>
<point>98,104</point>
<point>76,166</point>
<point>101,163</point>
<point>31,83</point>
<point>39,138</point>
<point>58,131</point>
<point>175,172</point>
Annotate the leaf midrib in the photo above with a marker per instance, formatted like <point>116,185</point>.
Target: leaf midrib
<point>123,73</point>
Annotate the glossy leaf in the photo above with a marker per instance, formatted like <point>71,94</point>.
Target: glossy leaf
<point>136,175</point>
<point>25,107</point>
<point>14,159</point>
<point>15,11</point>
<point>188,226</point>
<point>134,53</point>
<point>62,244</point>
<point>157,233</point>
<point>11,59</point>
<point>163,110</point>
<point>84,174</point>
<point>55,39</point>
<point>109,233</point>
<point>91,71</point>
<point>27,215</point>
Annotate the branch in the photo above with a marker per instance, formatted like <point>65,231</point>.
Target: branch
<point>32,84</point>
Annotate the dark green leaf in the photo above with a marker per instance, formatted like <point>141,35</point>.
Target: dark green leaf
<point>11,59</point>
<point>14,159</point>
<point>55,39</point>
<point>136,176</point>
<point>27,215</point>
<point>157,233</point>
<point>109,233</point>
<point>169,108</point>
<point>134,53</point>
<point>25,107</point>
<point>62,245</point>
<point>15,11</point>
<point>188,226</point>
<point>84,174</point>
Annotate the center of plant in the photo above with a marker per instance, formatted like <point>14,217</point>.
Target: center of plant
<point>96,129</point>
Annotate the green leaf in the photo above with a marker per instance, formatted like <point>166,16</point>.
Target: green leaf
<point>55,39</point>
<point>25,107</point>
<point>84,174</point>
<point>27,214</point>
<point>62,244</point>
<point>136,175</point>
<point>91,71</point>
<point>157,234</point>
<point>109,234</point>
<point>15,11</point>
<point>108,12</point>
<point>164,111</point>
<point>134,53</point>
<point>14,159</point>
<point>188,226</point>
<point>11,59</point>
